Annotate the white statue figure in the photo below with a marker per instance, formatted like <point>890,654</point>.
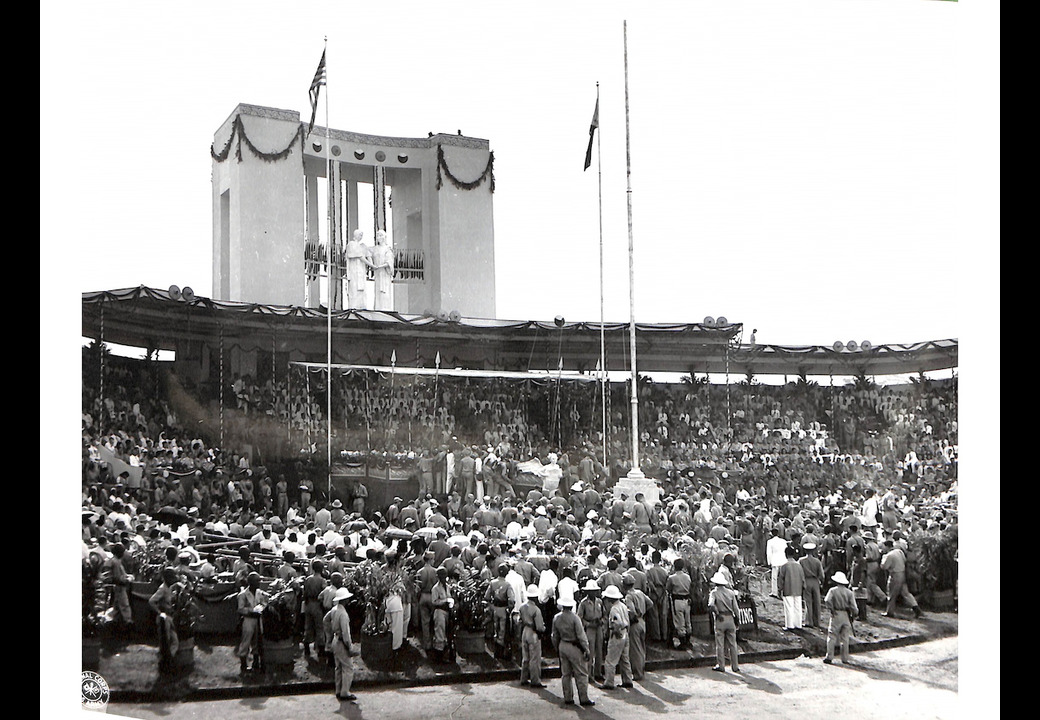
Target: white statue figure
<point>382,263</point>
<point>357,258</point>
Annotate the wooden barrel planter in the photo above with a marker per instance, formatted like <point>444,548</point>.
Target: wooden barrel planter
<point>700,625</point>
<point>91,653</point>
<point>377,650</point>
<point>279,652</point>
<point>470,642</point>
<point>941,600</point>
<point>185,656</point>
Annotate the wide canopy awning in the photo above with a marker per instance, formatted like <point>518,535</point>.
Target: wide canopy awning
<point>152,318</point>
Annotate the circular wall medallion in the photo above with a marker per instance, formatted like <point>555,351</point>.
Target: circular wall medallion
<point>380,156</point>
<point>335,150</point>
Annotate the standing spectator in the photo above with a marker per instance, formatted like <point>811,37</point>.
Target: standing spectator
<point>617,642</point>
<point>722,601</point>
<point>532,628</point>
<point>572,645</point>
<point>313,612</point>
<point>791,583</point>
<point>842,603</point>
<point>812,569</point>
<point>337,622</point>
<point>638,604</point>
<point>590,612</point>
<point>678,592</point>
<point>776,556</point>
<point>442,602</point>
<point>251,602</point>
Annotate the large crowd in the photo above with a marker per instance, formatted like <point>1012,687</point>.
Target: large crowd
<point>834,481</point>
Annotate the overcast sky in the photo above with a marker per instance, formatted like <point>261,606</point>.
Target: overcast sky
<point>815,169</point>
<point>794,165</point>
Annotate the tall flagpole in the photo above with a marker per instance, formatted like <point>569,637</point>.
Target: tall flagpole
<point>332,237</point>
<point>635,472</point>
<point>602,341</point>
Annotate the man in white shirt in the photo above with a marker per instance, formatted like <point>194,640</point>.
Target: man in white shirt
<point>870,510</point>
<point>776,556</point>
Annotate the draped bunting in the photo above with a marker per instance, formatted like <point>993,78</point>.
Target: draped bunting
<point>238,131</point>
<point>489,172</point>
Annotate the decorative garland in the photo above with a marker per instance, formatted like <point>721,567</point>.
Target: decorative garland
<point>238,130</point>
<point>489,172</point>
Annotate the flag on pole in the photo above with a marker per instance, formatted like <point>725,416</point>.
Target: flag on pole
<point>592,131</point>
<point>316,83</point>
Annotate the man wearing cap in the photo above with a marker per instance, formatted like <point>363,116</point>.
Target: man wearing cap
<point>590,612</point>
<point>842,603</point>
<point>572,645</point>
<point>894,563</point>
<point>532,626</point>
<point>251,602</point>
<point>337,621</point>
<point>812,569</point>
<point>722,602</point>
<point>617,639</point>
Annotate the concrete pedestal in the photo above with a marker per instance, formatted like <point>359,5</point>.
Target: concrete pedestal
<point>636,482</point>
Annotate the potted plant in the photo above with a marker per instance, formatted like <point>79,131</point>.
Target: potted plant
<point>279,623</point>
<point>376,638</point>
<point>95,600</point>
<point>698,564</point>
<point>934,556</point>
<point>186,616</point>
<point>470,613</point>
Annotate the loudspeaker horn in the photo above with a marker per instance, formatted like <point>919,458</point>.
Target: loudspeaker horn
<point>187,294</point>
<point>175,292</point>
<point>455,316</point>
<point>865,345</point>
<point>838,345</point>
<point>709,321</point>
<point>851,345</point>
<point>721,321</point>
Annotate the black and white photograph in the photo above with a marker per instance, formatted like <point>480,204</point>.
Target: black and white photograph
<point>481,360</point>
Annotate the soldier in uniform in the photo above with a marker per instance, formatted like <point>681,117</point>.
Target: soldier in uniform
<point>533,627</point>
<point>722,601</point>
<point>500,595</point>
<point>572,645</point>
<point>678,591</point>
<point>617,639</point>
<point>590,612</point>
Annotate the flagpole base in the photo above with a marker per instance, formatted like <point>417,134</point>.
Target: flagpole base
<point>637,482</point>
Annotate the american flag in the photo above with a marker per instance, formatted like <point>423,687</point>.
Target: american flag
<point>316,83</point>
